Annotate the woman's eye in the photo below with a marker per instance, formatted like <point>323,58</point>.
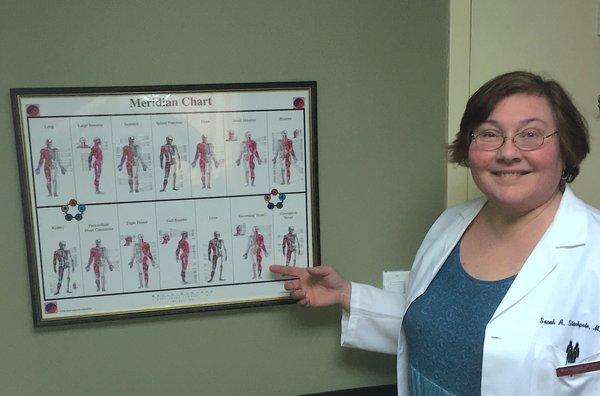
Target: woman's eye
<point>489,135</point>
<point>530,134</point>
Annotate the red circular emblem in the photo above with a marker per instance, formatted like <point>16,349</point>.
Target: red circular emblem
<point>33,110</point>
<point>51,307</point>
<point>298,103</point>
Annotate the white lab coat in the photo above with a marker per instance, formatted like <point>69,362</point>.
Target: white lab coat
<point>525,341</point>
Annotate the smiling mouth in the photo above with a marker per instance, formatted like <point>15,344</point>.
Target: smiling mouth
<point>510,173</point>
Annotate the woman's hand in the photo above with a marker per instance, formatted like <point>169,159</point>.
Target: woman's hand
<point>316,286</point>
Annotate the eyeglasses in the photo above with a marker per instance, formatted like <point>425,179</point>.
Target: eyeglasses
<point>528,139</point>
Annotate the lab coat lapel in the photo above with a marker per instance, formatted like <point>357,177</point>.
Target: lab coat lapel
<point>569,229</point>
<point>441,248</point>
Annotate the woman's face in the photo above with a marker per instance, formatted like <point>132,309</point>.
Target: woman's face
<point>514,179</point>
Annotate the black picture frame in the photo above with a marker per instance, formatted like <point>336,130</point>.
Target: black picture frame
<point>92,161</point>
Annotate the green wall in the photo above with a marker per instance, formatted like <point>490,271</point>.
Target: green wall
<point>381,68</point>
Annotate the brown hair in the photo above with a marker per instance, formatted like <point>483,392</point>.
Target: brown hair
<point>572,127</point>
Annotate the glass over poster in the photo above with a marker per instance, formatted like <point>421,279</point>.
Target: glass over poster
<point>162,199</point>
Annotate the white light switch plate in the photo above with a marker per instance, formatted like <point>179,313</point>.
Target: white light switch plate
<point>395,281</point>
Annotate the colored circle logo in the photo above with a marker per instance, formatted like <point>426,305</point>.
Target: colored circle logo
<point>73,210</point>
<point>275,194</point>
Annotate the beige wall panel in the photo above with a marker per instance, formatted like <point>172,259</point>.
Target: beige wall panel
<point>555,38</point>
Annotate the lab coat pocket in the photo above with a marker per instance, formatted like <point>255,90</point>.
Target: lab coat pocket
<point>544,380</point>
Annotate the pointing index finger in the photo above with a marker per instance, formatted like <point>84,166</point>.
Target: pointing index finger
<point>285,270</point>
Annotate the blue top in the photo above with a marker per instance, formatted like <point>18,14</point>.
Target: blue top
<point>445,329</point>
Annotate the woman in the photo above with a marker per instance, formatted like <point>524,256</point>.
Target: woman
<point>501,285</point>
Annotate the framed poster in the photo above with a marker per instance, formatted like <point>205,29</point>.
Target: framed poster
<point>143,201</point>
